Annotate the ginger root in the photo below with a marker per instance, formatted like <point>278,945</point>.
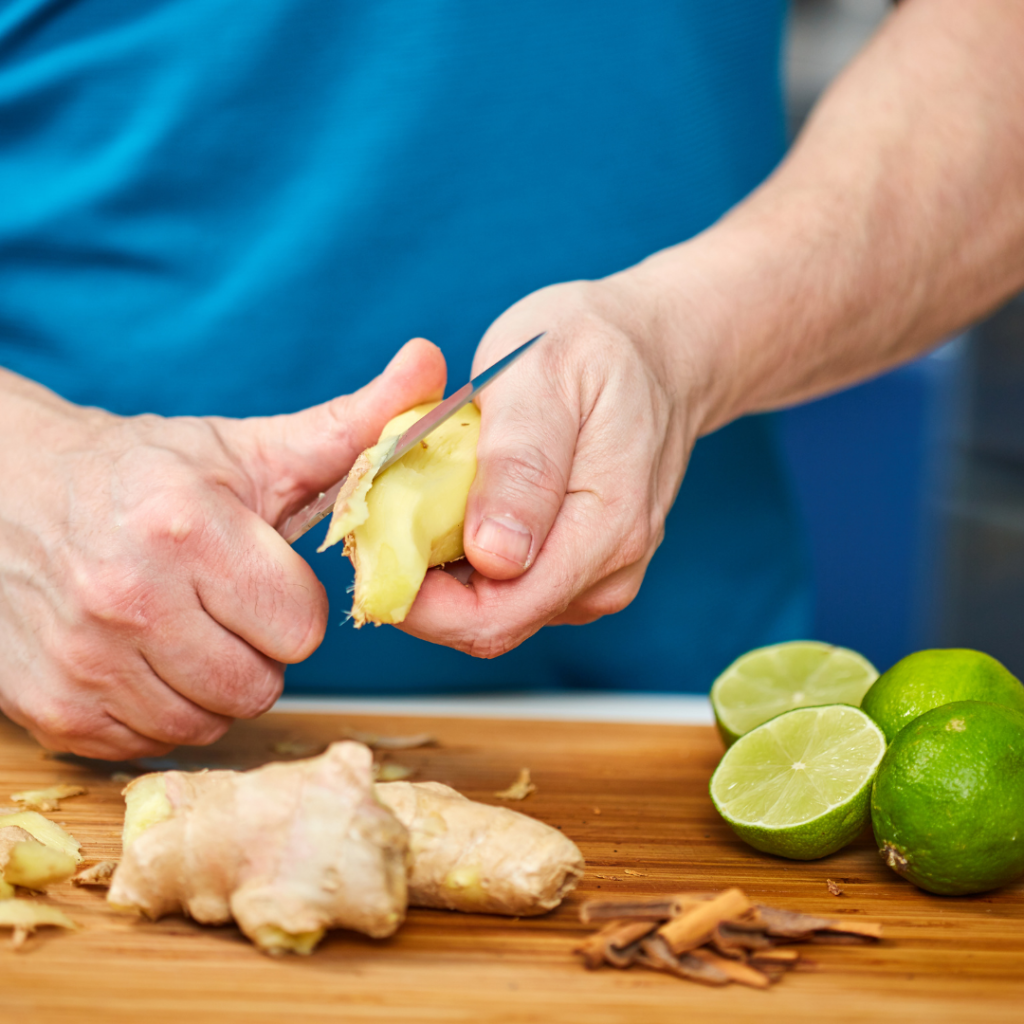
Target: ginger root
<point>478,858</point>
<point>287,851</point>
<point>399,524</point>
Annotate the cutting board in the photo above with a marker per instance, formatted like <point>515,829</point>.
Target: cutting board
<point>634,797</point>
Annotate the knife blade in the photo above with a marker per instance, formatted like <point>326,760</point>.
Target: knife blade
<point>301,522</point>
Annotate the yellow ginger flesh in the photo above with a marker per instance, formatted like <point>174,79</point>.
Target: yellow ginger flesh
<point>47,832</point>
<point>25,916</point>
<point>287,850</point>
<point>478,858</point>
<point>27,862</point>
<point>407,519</point>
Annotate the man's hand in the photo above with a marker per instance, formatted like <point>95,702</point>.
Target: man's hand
<point>582,449</point>
<point>146,599</point>
<point>897,219</point>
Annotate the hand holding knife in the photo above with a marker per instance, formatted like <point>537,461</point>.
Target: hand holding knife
<point>295,526</point>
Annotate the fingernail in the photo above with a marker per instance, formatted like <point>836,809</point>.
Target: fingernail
<point>505,538</point>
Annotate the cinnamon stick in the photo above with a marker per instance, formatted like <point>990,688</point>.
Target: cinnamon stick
<point>694,927</point>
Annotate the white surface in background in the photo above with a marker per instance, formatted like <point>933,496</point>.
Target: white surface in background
<point>646,708</point>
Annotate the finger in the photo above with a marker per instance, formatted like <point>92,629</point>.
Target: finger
<point>528,435</point>
<point>76,727</point>
<point>606,597</point>
<point>295,456</point>
<point>148,707</point>
<point>252,582</point>
<point>212,667</point>
<point>588,542</point>
<point>108,740</point>
<point>96,674</point>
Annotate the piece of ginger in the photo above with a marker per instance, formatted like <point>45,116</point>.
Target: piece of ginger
<point>27,862</point>
<point>398,524</point>
<point>47,832</point>
<point>520,789</point>
<point>287,850</point>
<point>48,799</point>
<point>25,916</point>
<point>478,858</point>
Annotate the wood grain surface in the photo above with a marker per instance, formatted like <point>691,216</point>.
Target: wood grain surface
<point>633,797</point>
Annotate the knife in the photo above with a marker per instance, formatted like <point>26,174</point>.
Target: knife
<point>306,518</point>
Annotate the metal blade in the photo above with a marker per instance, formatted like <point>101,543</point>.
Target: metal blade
<point>305,519</point>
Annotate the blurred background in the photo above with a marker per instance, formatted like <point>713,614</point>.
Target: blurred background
<point>912,485</point>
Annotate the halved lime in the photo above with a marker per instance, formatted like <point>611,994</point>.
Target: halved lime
<point>799,785</point>
<point>767,681</point>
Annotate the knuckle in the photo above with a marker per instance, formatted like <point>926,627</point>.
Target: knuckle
<point>490,647</point>
<point>251,692</point>
<point>610,599</point>
<point>635,543</point>
<point>61,723</point>
<point>116,594</point>
<point>188,725</point>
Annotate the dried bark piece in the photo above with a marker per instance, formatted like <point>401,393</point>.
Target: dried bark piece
<point>695,926</point>
<point>47,799</point>
<point>657,908</point>
<point>774,963</point>
<point>833,888</point>
<point>616,944</point>
<point>376,741</point>
<point>803,927</point>
<point>734,970</point>
<point>520,789</point>
<point>733,942</point>
<point>775,955</point>
<point>656,954</point>
<point>97,875</point>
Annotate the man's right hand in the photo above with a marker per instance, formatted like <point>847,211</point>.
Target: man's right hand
<point>146,599</point>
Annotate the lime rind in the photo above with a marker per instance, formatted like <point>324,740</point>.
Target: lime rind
<point>769,681</point>
<point>799,785</point>
<point>947,806</point>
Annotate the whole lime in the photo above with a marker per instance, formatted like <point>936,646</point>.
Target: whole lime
<point>947,805</point>
<point>929,679</point>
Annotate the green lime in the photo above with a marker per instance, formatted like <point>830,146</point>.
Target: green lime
<point>929,679</point>
<point>800,674</point>
<point>798,786</point>
<point>948,803</point>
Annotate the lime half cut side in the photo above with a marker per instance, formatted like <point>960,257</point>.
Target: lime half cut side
<point>799,786</point>
<point>800,674</point>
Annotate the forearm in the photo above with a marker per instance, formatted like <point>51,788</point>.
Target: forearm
<point>897,218</point>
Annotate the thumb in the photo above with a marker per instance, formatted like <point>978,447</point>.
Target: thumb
<point>293,457</point>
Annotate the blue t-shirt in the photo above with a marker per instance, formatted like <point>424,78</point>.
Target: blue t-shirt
<point>215,207</point>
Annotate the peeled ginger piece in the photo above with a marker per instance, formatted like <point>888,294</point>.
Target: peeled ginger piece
<point>27,862</point>
<point>398,524</point>
<point>47,832</point>
<point>287,851</point>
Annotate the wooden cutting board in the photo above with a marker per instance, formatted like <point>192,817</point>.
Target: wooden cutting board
<point>633,797</point>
